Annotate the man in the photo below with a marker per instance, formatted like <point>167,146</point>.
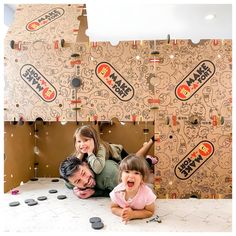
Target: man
<point>85,183</point>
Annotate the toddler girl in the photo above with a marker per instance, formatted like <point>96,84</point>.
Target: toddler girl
<point>132,198</point>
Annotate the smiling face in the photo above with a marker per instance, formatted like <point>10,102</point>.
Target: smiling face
<point>132,180</point>
<point>83,177</point>
<point>83,144</point>
<point>86,140</point>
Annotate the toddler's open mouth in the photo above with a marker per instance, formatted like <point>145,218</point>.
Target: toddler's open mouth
<point>130,184</point>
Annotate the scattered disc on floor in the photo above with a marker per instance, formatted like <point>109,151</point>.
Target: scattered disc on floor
<point>55,180</point>
<point>42,198</point>
<point>29,200</point>
<point>52,191</point>
<point>34,179</point>
<point>95,219</point>
<point>12,204</point>
<point>32,203</point>
<point>61,197</point>
<point>97,225</point>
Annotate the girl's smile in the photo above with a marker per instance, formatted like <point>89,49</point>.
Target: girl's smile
<point>84,144</point>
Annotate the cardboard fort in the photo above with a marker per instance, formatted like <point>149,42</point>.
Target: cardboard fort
<point>175,89</point>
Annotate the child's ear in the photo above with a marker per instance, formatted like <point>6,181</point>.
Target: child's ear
<point>143,181</point>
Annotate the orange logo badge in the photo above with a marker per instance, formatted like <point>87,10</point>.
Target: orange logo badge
<point>114,81</point>
<point>45,19</point>
<point>37,82</point>
<point>195,80</point>
<point>194,160</point>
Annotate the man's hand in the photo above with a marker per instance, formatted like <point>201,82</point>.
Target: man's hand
<point>83,193</point>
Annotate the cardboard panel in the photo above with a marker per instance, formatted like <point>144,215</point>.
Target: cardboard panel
<point>55,144</point>
<point>184,88</point>
<point>18,155</point>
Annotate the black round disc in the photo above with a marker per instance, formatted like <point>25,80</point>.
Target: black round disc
<point>52,191</point>
<point>42,198</point>
<point>75,55</point>
<point>61,197</point>
<point>62,43</point>
<point>97,225</point>
<point>29,200</point>
<point>76,108</point>
<point>34,179</point>
<point>12,44</point>
<point>55,180</point>
<point>12,204</point>
<point>95,219</point>
<point>76,82</point>
<point>32,203</point>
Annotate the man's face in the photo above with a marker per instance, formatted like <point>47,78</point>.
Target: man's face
<point>83,177</point>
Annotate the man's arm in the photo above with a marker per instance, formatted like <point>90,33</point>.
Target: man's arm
<point>89,192</point>
<point>101,193</point>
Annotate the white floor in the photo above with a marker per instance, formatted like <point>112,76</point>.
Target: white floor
<point>72,214</point>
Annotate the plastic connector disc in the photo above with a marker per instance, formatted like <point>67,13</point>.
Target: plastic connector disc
<point>12,204</point>
<point>95,219</point>
<point>52,191</point>
<point>97,225</point>
<point>32,203</point>
<point>42,198</point>
<point>61,197</point>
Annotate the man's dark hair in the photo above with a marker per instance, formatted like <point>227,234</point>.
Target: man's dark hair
<point>69,166</point>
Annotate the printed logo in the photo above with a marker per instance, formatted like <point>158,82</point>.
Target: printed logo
<point>38,83</point>
<point>195,80</point>
<point>114,81</point>
<point>194,160</point>
<point>44,19</point>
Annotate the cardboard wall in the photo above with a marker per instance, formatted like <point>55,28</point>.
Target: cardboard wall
<point>185,89</point>
<point>18,155</point>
